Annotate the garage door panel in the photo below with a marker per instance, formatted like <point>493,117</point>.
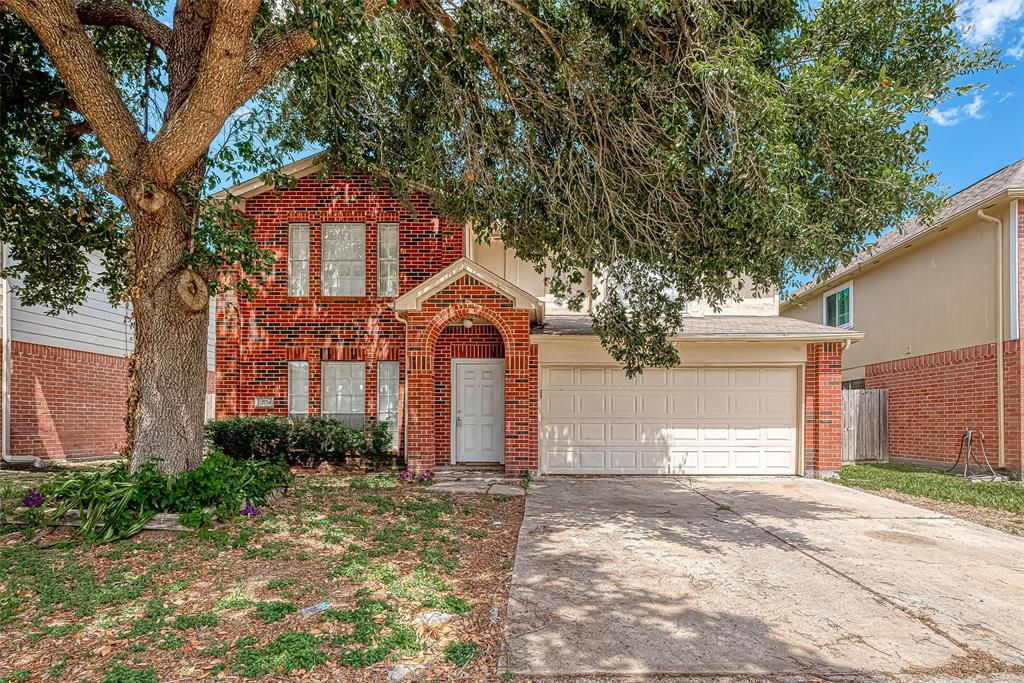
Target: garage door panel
<point>678,421</point>
<point>624,405</point>
<point>684,377</point>
<point>590,404</point>
<point>686,404</point>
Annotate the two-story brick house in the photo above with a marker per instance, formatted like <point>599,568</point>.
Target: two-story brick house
<point>378,308</point>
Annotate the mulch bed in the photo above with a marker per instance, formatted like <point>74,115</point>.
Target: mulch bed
<point>1002,520</point>
<point>70,613</point>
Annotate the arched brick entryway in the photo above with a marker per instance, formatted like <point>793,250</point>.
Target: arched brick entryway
<point>469,298</point>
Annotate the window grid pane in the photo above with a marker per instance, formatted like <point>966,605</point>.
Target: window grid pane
<point>387,396</point>
<point>343,270</point>
<point>298,388</point>
<point>298,259</point>
<point>387,259</point>
<point>343,392</point>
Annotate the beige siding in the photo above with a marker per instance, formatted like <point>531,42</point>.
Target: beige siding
<point>935,295</point>
<point>501,261</point>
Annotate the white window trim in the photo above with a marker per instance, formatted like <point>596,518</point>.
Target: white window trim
<point>824,304</point>
<point>305,287</point>
<point>396,259</point>
<point>360,415</point>
<point>361,289</point>
<point>398,389</point>
<point>291,365</point>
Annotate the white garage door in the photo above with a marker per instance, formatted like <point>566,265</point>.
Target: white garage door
<point>595,420</point>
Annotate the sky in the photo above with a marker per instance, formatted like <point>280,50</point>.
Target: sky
<point>976,135</point>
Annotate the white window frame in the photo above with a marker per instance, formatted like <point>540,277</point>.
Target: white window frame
<point>293,394</point>
<point>387,280</point>
<point>824,305</point>
<point>355,263</point>
<point>354,397</point>
<point>293,262</point>
<point>388,388</point>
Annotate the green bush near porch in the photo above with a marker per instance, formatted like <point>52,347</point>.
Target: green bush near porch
<point>309,441</point>
<point>997,495</point>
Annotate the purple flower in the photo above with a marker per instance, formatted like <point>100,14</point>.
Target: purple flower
<point>405,476</point>
<point>250,510</point>
<point>425,475</point>
<point>33,499</point>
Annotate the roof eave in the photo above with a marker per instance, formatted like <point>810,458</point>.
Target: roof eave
<point>802,295</point>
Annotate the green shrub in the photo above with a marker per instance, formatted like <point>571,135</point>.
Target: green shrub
<point>116,503</point>
<point>252,438</point>
<point>308,442</point>
<point>377,449</point>
<point>318,440</point>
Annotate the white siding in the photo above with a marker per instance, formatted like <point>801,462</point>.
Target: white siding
<point>95,326</point>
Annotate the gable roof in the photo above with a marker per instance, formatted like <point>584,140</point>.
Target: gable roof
<point>411,300</point>
<point>1004,183</point>
<point>254,186</point>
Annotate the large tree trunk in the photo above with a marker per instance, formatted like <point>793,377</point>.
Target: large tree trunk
<point>170,305</point>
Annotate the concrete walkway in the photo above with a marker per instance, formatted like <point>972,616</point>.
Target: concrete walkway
<point>729,576</point>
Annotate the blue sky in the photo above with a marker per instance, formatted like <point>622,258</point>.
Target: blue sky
<point>975,135</point>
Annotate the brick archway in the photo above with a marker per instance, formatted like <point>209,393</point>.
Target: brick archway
<point>470,298</point>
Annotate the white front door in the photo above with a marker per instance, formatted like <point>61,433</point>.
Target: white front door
<point>478,410</point>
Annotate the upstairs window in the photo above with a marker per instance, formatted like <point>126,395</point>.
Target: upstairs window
<point>298,259</point>
<point>839,307</point>
<point>387,259</point>
<point>343,270</point>
<point>387,397</point>
<point>298,388</point>
<point>343,392</point>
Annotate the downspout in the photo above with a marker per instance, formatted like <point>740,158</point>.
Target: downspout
<point>5,388</point>
<point>404,422</point>
<point>1000,408</point>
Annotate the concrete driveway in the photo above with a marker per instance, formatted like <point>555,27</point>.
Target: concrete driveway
<point>729,576</point>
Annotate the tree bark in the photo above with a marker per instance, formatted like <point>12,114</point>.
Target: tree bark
<point>170,306</point>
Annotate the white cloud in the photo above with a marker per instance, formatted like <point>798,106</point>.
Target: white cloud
<point>954,115</point>
<point>1017,49</point>
<point>1002,95</point>
<point>985,20</point>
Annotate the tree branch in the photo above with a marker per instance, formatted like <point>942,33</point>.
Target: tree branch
<point>56,25</point>
<point>267,57</point>
<point>112,13</point>
<point>187,134</point>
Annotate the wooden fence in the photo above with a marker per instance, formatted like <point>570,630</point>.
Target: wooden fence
<point>865,425</point>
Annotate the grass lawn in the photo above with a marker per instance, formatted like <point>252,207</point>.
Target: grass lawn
<point>226,602</point>
<point>1006,496</point>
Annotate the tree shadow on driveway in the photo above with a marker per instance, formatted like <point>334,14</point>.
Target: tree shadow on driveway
<point>648,576</point>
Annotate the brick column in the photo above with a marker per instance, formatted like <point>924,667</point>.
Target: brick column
<point>823,380</point>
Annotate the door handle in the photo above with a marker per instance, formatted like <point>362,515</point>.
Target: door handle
<point>458,418</point>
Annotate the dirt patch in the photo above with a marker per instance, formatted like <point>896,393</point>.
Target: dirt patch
<point>901,538</point>
<point>1002,520</point>
<point>225,603</point>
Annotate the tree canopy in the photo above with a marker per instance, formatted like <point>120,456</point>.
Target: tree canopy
<point>672,148</point>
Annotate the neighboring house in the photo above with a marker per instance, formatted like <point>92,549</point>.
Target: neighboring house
<point>932,299</point>
<point>379,308</point>
<point>65,378</point>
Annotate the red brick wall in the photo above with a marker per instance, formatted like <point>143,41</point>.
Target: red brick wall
<point>68,404</point>
<point>470,298</point>
<point>65,403</point>
<point>256,338</point>
<point>934,397</point>
<point>823,409</point>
